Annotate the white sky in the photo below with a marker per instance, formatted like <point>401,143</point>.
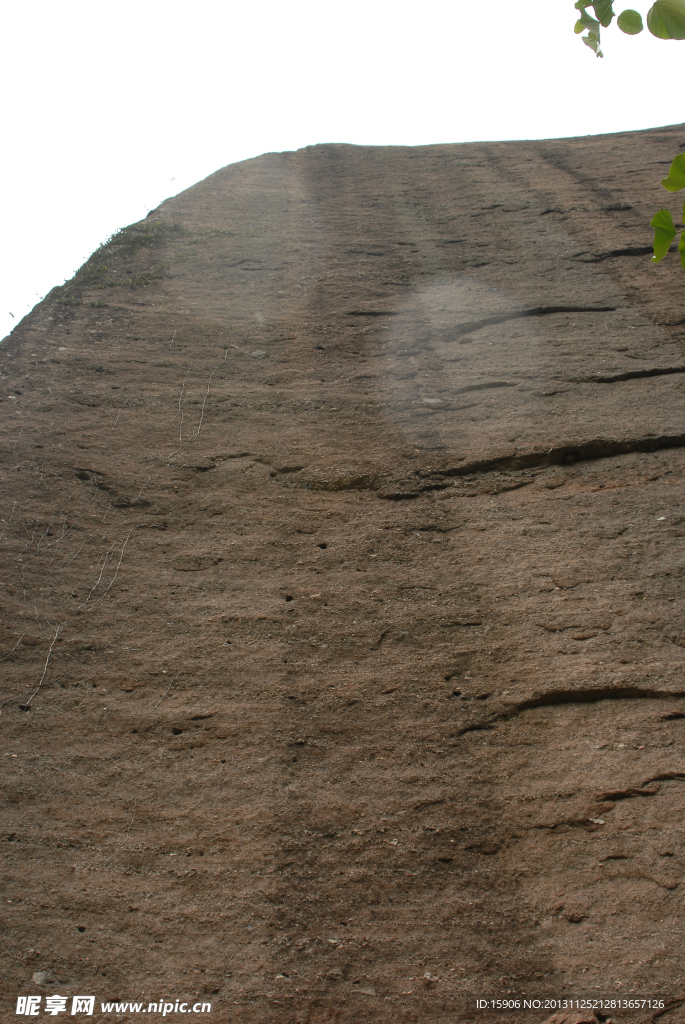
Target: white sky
<point>109,108</point>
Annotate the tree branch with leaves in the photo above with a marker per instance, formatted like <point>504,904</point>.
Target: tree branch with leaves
<point>665,20</point>
<point>662,222</point>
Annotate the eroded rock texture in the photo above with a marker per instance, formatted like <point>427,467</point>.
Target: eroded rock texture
<point>343,643</point>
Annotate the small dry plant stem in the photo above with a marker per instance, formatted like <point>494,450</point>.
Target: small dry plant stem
<point>118,415</point>
<point>58,630</point>
<point>204,402</point>
<point>143,487</point>
<point>44,536</point>
<point>202,411</point>
<point>10,653</point>
<point>180,408</point>
<point>104,561</point>
<point>116,573</point>
<point>63,534</point>
<point>96,488</point>
<point>165,692</point>
<point>27,546</point>
<point>9,524</point>
<point>71,559</point>
<point>113,855</point>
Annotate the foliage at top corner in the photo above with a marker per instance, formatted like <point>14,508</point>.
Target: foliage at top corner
<point>665,20</point>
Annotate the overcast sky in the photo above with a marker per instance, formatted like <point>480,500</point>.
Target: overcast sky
<point>109,108</point>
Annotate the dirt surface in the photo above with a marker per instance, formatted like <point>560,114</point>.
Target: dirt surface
<point>342,634</point>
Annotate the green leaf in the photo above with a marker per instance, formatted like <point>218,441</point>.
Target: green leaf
<point>587,22</point>
<point>578,27</point>
<point>681,249</point>
<point>664,233</point>
<point>666,19</point>
<point>592,40</point>
<point>630,22</point>
<point>676,176</point>
<point>604,12</point>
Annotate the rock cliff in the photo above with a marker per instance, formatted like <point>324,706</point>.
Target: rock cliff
<point>342,637</point>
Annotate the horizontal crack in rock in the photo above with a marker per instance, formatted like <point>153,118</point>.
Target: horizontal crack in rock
<point>490,384</point>
<point>477,325</point>
<point>585,451</point>
<point>631,250</point>
<point>477,726</point>
<point>570,822</point>
<point>585,696</point>
<point>650,787</point>
<point>371,312</point>
<point>612,378</point>
<point>557,698</point>
<point>597,448</point>
<point>627,794</point>
<point>664,777</point>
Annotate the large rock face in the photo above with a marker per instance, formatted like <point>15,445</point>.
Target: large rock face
<point>343,553</point>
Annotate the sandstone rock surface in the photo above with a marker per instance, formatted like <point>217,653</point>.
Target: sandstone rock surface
<point>342,630</point>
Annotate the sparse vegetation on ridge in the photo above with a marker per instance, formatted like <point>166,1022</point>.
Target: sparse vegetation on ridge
<point>107,268</point>
<point>104,270</point>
